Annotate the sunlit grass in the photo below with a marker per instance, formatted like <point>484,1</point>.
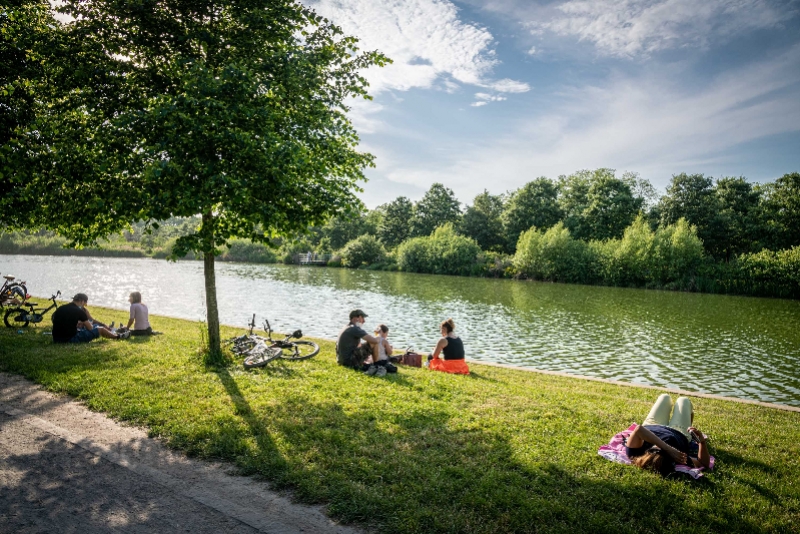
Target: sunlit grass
<point>498,451</point>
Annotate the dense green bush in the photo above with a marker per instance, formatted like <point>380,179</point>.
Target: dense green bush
<point>677,253</point>
<point>767,273</point>
<point>364,250</point>
<point>442,252</point>
<point>554,256</point>
<point>247,251</point>
<point>667,257</point>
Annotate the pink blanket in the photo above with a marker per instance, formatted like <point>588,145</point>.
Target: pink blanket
<point>615,451</point>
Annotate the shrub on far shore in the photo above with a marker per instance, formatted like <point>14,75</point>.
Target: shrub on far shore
<point>554,256</point>
<point>247,251</point>
<point>442,252</point>
<point>364,250</point>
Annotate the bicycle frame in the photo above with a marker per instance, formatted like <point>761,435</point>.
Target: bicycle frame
<point>281,343</point>
<point>36,316</point>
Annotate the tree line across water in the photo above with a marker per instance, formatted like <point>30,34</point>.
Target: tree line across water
<point>726,235</point>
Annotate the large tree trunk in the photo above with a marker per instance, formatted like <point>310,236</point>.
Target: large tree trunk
<point>212,315</point>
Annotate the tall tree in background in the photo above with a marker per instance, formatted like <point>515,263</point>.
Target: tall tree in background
<point>533,205</point>
<point>611,207</point>
<point>598,205</point>
<point>573,193</point>
<point>692,196</point>
<point>482,222</point>
<point>439,206</point>
<point>782,206</point>
<point>741,217</point>
<point>395,225</point>
<point>233,110</point>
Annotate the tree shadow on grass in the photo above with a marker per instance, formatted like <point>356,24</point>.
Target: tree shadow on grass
<point>732,460</point>
<point>267,460</point>
<point>414,471</point>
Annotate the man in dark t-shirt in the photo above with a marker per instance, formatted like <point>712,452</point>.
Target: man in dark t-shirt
<point>350,351</point>
<point>72,323</point>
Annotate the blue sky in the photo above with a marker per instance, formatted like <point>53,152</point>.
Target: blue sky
<point>489,94</point>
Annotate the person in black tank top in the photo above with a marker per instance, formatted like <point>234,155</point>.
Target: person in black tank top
<point>450,346</point>
<point>454,350</point>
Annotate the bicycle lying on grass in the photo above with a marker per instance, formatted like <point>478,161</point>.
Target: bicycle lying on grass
<point>259,351</point>
<point>19,317</point>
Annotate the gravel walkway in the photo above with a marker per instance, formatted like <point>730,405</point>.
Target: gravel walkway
<point>66,469</point>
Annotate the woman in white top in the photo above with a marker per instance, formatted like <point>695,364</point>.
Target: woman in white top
<point>139,318</point>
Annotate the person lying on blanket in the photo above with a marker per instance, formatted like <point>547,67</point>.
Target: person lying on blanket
<point>663,440</point>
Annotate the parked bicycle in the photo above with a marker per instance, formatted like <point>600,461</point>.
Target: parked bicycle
<point>259,351</point>
<point>12,293</point>
<point>19,317</point>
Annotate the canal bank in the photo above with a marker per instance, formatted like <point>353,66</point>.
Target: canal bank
<point>502,450</point>
<point>731,346</point>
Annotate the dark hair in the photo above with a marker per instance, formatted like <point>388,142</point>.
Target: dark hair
<point>448,325</point>
<point>656,460</point>
<point>136,297</point>
<point>383,328</point>
<point>80,297</point>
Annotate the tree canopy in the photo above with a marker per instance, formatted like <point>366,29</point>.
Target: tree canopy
<point>482,222</point>
<point>235,111</point>
<point>535,204</point>
<point>439,206</point>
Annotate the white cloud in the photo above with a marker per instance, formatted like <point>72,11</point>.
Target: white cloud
<point>507,85</point>
<point>532,51</point>
<point>484,98</point>
<point>649,124</point>
<point>630,28</point>
<point>425,38</point>
<point>489,98</point>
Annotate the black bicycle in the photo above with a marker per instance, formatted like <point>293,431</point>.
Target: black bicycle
<point>259,351</point>
<point>19,317</point>
<point>12,293</point>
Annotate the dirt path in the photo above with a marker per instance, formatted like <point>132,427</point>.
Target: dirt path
<point>65,469</point>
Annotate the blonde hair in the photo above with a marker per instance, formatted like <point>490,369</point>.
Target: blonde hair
<point>448,325</point>
<point>382,328</point>
<point>136,297</point>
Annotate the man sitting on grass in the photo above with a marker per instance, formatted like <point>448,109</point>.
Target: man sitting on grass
<point>350,352</point>
<point>72,323</point>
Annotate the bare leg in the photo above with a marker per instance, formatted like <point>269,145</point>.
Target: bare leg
<point>106,333</point>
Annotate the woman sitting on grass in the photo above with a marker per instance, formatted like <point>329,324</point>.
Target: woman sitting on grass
<point>452,348</point>
<point>663,441</point>
<point>140,317</point>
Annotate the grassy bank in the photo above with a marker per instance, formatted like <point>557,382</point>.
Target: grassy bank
<point>498,451</point>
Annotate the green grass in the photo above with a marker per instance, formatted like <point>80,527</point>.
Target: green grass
<point>498,451</point>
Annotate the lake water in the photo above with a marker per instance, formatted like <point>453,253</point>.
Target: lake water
<point>735,346</point>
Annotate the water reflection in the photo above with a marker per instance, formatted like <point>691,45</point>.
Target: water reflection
<point>736,346</point>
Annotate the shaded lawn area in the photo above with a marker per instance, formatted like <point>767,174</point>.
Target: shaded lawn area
<point>498,451</point>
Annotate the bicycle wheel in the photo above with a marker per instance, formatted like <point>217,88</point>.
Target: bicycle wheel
<point>15,318</point>
<point>300,350</point>
<point>261,358</point>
